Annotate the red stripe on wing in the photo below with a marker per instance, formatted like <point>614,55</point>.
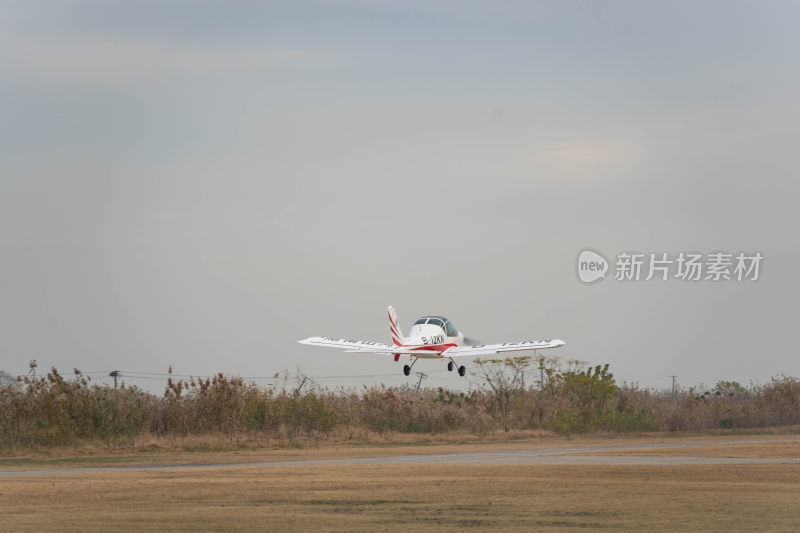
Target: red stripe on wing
<point>433,347</point>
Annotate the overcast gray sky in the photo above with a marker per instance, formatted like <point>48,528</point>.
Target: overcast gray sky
<point>202,184</point>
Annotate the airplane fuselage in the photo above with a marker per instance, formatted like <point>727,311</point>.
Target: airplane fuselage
<point>431,337</point>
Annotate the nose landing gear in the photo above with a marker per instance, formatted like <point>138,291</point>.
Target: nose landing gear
<point>462,370</point>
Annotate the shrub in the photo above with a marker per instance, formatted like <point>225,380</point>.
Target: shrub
<point>56,410</point>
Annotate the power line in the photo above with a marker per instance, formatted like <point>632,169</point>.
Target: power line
<point>189,376</point>
<point>148,378</point>
<point>135,375</point>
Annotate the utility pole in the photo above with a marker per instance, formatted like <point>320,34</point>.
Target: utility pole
<point>673,384</point>
<point>302,383</point>
<point>422,375</point>
<point>541,372</point>
<point>115,374</point>
<point>541,387</point>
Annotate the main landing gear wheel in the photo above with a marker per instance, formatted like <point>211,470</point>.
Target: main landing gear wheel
<point>462,370</point>
<point>407,370</point>
<point>450,366</point>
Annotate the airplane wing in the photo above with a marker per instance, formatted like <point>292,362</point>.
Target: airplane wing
<point>352,345</point>
<point>496,349</point>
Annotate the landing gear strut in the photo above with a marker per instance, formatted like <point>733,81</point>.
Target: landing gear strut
<point>452,364</point>
<point>407,368</point>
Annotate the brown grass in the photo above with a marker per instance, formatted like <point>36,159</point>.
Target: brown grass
<point>53,410</point>
<point>411,498</point>
<point>777,450</point>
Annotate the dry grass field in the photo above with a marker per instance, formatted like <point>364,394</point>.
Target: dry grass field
<point>763,497</point>
<point>411,498</point>
<point>789,449</point>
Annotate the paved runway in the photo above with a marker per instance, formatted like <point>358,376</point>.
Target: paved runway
<point>529,456</point>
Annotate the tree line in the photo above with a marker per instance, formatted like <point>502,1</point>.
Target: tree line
<point>518,393</point>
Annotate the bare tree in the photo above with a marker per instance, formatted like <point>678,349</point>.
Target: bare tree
<point>503,377</point>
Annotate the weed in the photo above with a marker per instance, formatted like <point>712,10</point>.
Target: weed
<point>52,410</point>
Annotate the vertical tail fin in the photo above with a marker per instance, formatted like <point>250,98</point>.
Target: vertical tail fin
<point>394,326</point>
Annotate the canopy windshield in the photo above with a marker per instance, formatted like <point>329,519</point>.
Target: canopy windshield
<point>440,321</point>
<point>435,320</point>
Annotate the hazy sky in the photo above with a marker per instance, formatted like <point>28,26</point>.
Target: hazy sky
<point>202,184</point>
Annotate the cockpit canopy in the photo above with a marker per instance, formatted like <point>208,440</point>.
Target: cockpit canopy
<point>440,321</point>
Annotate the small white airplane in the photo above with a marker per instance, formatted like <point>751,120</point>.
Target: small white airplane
<point>431,337</point>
